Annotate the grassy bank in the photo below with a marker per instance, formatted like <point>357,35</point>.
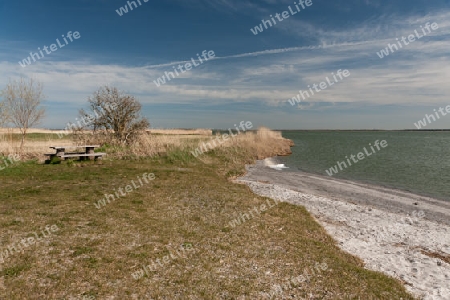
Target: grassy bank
<point>189,205</point>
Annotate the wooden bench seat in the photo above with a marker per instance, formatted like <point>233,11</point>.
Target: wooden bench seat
<point>96,155</point>
<point>67,153</point>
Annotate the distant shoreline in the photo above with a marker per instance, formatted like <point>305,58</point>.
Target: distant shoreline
<point>171,131</point>
<point>362,130</point>
<point>168,130</point>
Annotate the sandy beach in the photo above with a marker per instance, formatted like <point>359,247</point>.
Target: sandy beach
<point>401,234</point>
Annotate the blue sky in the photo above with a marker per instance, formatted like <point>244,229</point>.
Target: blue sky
<point>253,76</point>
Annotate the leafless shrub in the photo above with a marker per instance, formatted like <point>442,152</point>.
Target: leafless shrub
<point>114,116</point>
<point>21,106</point>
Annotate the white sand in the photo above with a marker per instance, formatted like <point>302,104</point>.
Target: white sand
<point>387,241</point>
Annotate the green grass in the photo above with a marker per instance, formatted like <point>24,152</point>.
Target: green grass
<point>14,271</point>
<point>190,205</point>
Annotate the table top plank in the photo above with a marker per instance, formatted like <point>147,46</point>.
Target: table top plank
<point>82,146</point>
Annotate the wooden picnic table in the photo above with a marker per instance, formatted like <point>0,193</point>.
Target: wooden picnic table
<point>89,152</point>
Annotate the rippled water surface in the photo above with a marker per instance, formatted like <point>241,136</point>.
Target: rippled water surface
<point>412,161</point>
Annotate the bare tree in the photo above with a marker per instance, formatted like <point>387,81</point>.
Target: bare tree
<point>3,114</point>
<point>22,100</point>
<point>113,112</point>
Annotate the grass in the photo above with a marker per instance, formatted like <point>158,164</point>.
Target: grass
<point>189,204</point>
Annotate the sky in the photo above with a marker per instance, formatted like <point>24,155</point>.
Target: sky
<point>252,76</point>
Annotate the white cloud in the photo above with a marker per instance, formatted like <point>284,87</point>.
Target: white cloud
<point>415,74</point>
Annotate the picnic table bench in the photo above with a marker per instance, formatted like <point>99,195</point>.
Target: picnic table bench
<point>89,152</point>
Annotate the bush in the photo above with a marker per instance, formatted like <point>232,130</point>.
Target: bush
<point>54,160</point>
<point>114,116</point>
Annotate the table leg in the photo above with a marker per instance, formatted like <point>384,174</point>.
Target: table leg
<point>60,152</point>
<point>90,150</point>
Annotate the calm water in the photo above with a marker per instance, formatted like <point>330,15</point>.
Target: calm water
<point>414,161</point>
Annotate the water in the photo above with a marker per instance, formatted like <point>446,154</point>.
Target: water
<point>413,161</point>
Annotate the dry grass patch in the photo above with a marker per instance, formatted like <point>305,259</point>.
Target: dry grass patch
<point>36,144</point>
<point>181,131</point>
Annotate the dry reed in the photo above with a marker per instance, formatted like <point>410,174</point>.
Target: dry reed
<point>263,143</point>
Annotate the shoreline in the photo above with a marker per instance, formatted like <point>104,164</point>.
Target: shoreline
<point>401,234</point>
<point>374,184</point>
